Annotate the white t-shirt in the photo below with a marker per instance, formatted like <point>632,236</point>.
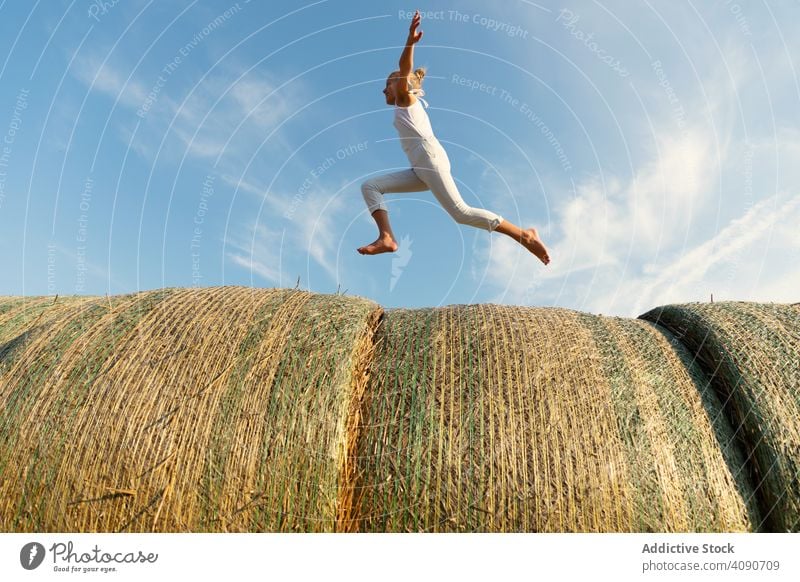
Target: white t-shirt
<point>413,125</point>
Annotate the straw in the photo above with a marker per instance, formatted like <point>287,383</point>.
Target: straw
<point>751,353</point>
<point>233,409</point>
<point>497,418</point>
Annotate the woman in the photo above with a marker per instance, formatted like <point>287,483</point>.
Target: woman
<point>430,164</point>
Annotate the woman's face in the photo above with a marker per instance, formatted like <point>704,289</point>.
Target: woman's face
<point>389,90</point>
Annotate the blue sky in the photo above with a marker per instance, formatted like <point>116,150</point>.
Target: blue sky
<point>652,144</point>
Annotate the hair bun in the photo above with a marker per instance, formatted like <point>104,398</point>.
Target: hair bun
<point>420,73</point>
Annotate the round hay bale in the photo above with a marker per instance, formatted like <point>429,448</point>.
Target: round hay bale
<point>219,409</point>
<point>751,352</point>
<point>31,315</point>
<point>239,409</point>
<point>494,418</point>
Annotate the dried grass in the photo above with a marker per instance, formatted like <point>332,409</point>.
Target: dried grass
<point>234,409</point>
<point>751,352</point>
<point>494,418</point>
<point>181,410</point>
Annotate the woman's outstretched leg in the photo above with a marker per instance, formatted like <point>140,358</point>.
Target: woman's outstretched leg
<point>373,191</point>
<point>438,178</point>
<point>529,238</point>
<point>385,243</point>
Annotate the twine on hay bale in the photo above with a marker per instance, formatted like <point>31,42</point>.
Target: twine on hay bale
<point>495,418</point>
<point>239,409</point>
<point>221,409</point>
<point>21,318</point>
<point>751,352</point>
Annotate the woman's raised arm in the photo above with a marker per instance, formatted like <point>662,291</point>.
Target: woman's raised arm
<point>407,58</point>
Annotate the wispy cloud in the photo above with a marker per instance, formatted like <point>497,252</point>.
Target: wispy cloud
<point>108,79</point>
<point>753,258</point>
<point>244,185</point>
<point>226,113</point>
<point>319,231</point>
<point>297,232</point>
<point>258,249</point>
<point>732,265</point>
<point>611,224</point>
<point>230,114</point>
<point>621,246</point>
<point>614,224</point>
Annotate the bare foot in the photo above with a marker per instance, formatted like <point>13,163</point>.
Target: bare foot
<point>382,245</point>
<point>532,242</point>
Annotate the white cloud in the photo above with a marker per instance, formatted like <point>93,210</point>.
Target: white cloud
<point>626,249</point>
<point>622,249</point>
<point>733,265</point>
<point>753,258</point>
<point>221,113</point>
<point>258,250</point>
<point>250,92</point>
<point>613,225</point>
<point>105,78</point>
<point>320,231</point>
<point>230,114</point>
<point>653,211</point>
<point>312,231</point>
<point>243,185</point>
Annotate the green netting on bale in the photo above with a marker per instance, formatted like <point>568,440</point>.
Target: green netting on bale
<point>220,409</point>
<point>23,318</point>
<point>751,351</point>
<point>239,409</point>
<point>491,418</point>
<point>47,376</point>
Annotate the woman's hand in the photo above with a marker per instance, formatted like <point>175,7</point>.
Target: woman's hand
<point>413,35</point>
<point>404,98</point>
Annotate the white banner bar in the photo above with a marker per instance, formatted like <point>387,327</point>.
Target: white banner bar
<point>389,557</point>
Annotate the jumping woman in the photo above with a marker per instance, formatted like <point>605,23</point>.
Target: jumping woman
<point>430,165</point>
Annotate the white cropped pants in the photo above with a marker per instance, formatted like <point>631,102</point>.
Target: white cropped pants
<point>430,171</point>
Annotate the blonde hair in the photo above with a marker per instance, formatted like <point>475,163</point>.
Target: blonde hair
<point>414,78</point>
